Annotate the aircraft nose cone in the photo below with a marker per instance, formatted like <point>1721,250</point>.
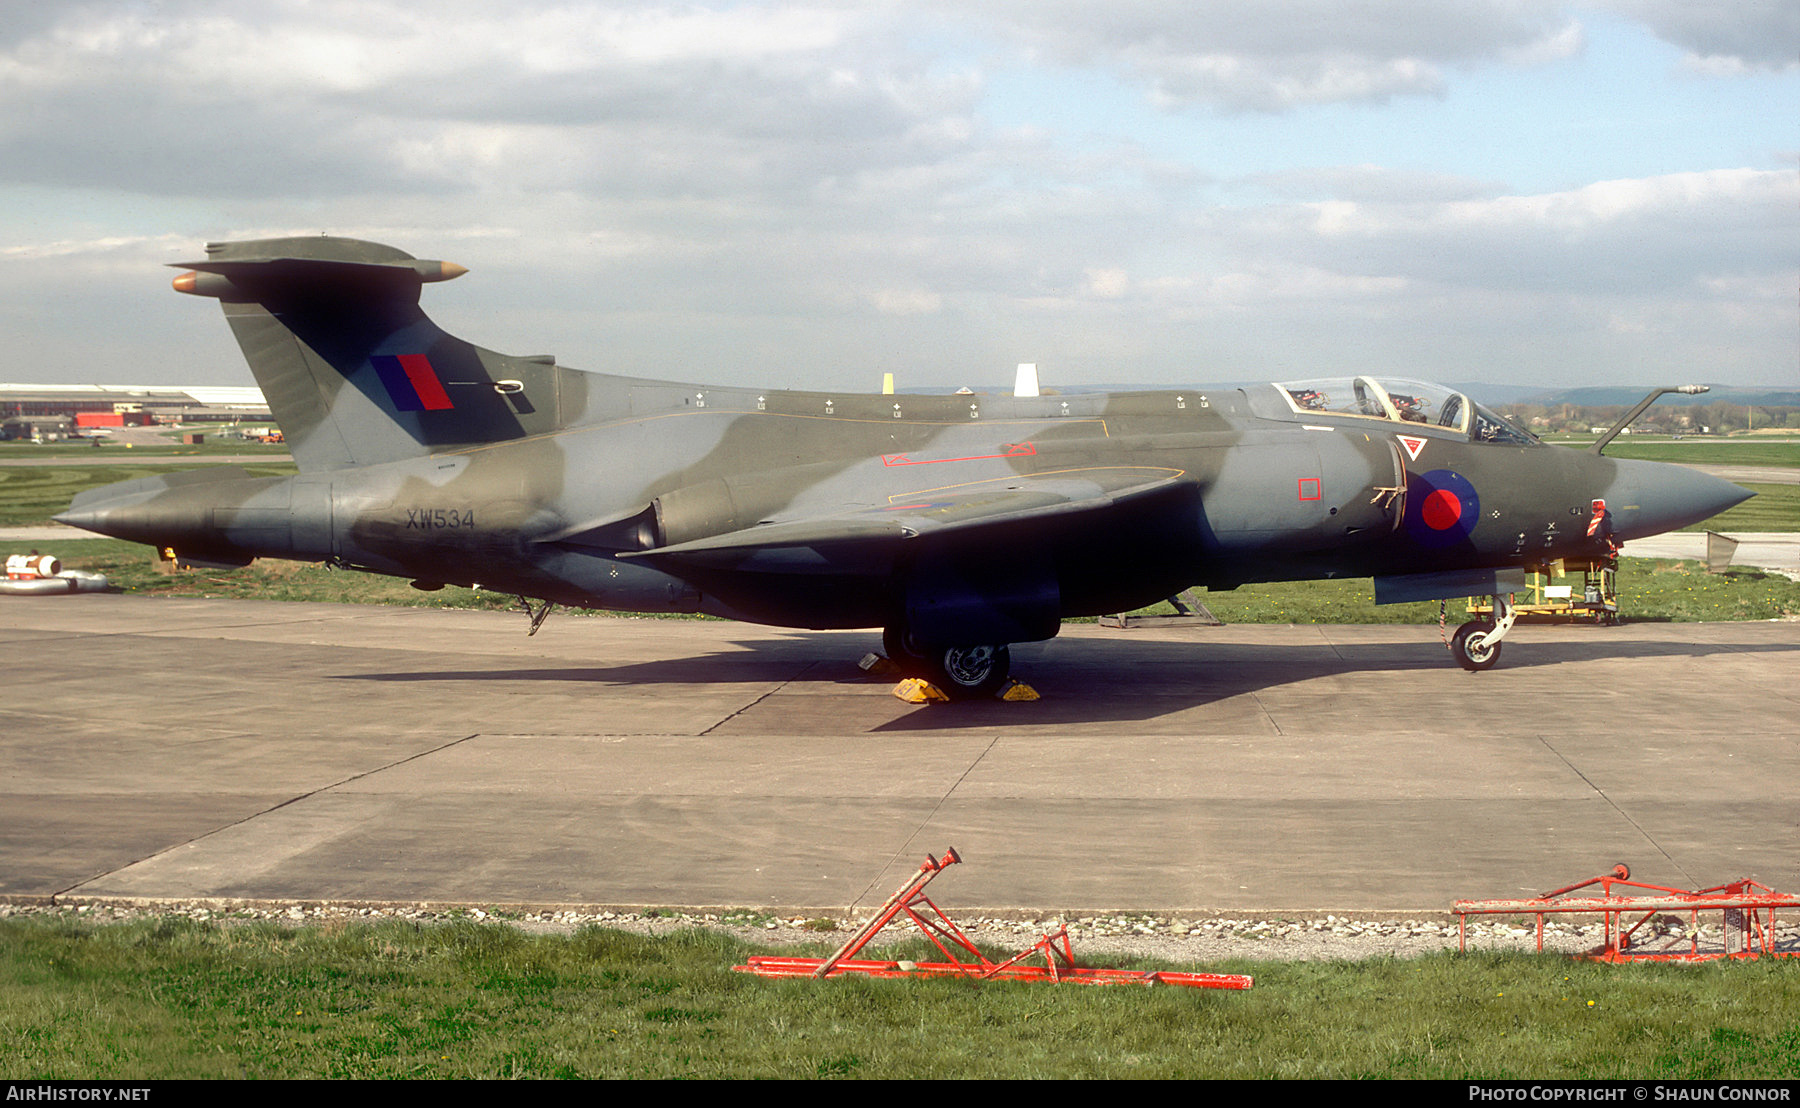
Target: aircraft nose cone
<point>88,519</point>
<point>1648,498</point>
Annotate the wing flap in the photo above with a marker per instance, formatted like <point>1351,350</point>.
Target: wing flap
<point>1006,502</point>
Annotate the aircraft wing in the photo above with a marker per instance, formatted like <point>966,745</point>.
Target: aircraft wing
<point>870,530</point>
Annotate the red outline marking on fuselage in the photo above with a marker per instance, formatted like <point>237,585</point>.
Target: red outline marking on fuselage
<point>1008,450</point>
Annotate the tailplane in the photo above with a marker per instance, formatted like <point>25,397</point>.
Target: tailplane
<point>353,370</point>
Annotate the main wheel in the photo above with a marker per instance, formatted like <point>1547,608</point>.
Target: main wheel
<point>1471,648</point>
<point>969,672</point>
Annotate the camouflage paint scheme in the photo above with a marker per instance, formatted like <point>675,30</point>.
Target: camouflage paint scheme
<point>954,522</point>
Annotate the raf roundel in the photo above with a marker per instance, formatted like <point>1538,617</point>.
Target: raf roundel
<point>1442,508</point>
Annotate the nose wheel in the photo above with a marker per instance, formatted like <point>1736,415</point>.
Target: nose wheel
<point>1473,647</point>
<point>1476,644</point>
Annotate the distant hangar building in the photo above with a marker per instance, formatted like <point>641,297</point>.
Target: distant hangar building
<point>56,411</point>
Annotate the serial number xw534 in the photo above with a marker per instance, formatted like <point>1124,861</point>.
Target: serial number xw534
<point>439,519</point>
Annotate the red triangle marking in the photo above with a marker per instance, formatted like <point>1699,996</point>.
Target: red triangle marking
<point>1412,444</point>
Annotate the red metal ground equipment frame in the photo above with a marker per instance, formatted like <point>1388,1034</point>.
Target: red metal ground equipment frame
<point>1058,957</point>
<point>1747,915</point>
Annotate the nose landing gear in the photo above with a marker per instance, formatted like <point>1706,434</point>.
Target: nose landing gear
<point>1476,645</point>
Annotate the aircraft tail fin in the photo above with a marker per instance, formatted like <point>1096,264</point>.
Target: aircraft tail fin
<point>353,370</point>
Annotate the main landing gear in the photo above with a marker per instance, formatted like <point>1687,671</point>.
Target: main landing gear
<point>967,672</point>
<point>1476,645</point>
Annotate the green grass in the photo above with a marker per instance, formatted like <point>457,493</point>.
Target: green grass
<point>79,453</point>
<point>1773,508</point>
<point>1654,589</point>
<point>1649,589</point>
<point>130,567</point>
<point>172,998</point>
<point>1689,452</point>
<point>30,495</point>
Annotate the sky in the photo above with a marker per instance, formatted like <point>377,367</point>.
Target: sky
<point>809,195</point>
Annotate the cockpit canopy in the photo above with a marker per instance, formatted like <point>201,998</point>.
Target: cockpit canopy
<point>1399,400</point>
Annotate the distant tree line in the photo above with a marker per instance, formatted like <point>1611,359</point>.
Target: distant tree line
<point>1716,418</point>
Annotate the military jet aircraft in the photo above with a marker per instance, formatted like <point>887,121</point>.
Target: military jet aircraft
<point>959,524</point>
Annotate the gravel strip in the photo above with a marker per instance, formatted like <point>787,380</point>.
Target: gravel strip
<point>1095,938</point>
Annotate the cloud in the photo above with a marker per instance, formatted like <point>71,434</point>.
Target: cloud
<point>797,193</point>
<point>1723,39</point>
<point>1373,184</point>
<point>1661,232</point>
<point>1237,56</point>
<point>905,301</point>
<point>309,100</point>
<point>1107,283</point>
